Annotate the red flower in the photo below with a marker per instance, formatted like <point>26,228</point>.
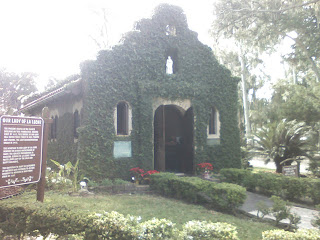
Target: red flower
<point>205,166</point>
<point>137,170</point>
<point>150,172</point>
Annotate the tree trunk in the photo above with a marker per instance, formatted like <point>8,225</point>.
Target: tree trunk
<point>244,93</point>
<point>277,161</point>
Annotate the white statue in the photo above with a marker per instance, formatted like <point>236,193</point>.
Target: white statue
<point>169,66</point>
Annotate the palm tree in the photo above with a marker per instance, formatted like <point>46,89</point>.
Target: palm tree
<point>283,140</point>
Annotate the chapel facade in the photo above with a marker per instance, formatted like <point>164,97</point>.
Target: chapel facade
<point>158,100</point>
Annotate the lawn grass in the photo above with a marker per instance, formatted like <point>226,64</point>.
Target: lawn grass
<point>149,206</point>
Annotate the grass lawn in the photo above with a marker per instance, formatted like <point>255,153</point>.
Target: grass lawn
<point>149,206</point>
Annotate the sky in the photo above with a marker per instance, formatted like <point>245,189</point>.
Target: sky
<point>52,37</point>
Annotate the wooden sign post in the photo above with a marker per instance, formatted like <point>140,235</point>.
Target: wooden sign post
<point>42,182</point>
<point>290,170</point>
<point>20,150</point>
<point>23,151</point>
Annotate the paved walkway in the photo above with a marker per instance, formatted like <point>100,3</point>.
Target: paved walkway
<point>250,206</point>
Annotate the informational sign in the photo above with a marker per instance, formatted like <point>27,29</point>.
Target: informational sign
<point>290,171</point>
<point>20,150</point>
<point>122,149</point>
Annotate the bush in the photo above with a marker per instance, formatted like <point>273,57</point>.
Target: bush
<point>111,225</point>
<point>316,221</point>
<point>222,196</point>
<point>301,234</point>
<point>313,190</point>
<point>269,183</point>
<point>280,210</point>
<point>106,182</point>
<point>234,175</point>
<point>60,220</point>
<point>64,223</point>
<point>208,230</point>
<point>161,183</point>
<point>290,188</point>
<point>294,188</point>
<point>157,229</point>
<point>119,181</point>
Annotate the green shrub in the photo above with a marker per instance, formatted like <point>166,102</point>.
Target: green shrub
<point>60,220</point>
<point>294,188</point>
<point>290,188</point>
<point>157,229</point>
<point>263,209</point>
<point>316,221</point>
<point>186,189</point>
<point>279,209</point>
<point>111,225</point>
<point>233,175</point>
<point>106,182</point>
<point>208,230</point>
<point>269,183</point>
<point>222,196</point>
<point>119,181</point>
<point>301,234</point>
<point>63,223</point>
<point>161,183</point>
<point>313,190</point>
<point>54,181</point>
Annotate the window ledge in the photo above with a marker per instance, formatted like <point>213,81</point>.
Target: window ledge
<point>213,136</point>
<point>122,135</point>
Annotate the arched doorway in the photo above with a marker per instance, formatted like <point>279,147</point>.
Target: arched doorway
<point>173,139</point>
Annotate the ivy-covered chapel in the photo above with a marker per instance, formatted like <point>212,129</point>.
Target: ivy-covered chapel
<point>158,100</point>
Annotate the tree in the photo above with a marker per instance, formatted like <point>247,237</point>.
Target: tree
<point>13,88</point>
<point>282,140</point>
<point>266,23</point>
<point>101,37</point>
<point>52,82</point>
<point>248,65</point>
<point>296,102</point>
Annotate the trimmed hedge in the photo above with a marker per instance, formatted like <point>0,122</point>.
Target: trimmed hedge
<point>301,234</point>
<point>290,188</point>
<point>208,231</point>
<point>42,219</point>
<point>221,196</point>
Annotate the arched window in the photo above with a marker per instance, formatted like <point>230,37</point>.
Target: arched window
<point>214,123</point>
<point>76,123</point>
<point>122,118</point>
<point>54,127</point>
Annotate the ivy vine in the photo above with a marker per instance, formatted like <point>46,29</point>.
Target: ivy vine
<point>134,71</point>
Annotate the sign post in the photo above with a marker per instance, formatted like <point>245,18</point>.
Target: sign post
<point>23,151</point>
<point>290,170</point>
<point>42,182</point>
<point>20,150</point>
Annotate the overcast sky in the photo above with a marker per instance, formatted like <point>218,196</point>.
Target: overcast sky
<point>51,38</point>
